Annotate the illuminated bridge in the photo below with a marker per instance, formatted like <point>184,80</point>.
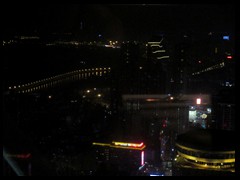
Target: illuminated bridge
<point>59,79</point>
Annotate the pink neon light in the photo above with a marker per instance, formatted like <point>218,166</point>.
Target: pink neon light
<point>142,158</point>
<point>229,57</point>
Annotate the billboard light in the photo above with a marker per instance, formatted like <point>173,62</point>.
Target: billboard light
<point>198,101</point>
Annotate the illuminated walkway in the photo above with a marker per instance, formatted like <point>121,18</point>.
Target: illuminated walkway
<point>59,79</point>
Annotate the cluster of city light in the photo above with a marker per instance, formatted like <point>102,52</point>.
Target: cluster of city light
<point>62,43</point>
<point>8,42</point>
<point>217,66</point>
<point>227,84</point>
<point>112,44</point>
<point>66,43</point>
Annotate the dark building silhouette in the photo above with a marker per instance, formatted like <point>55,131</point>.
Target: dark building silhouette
<point>124,156</point>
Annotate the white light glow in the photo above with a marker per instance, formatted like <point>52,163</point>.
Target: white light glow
<point>198,101</point>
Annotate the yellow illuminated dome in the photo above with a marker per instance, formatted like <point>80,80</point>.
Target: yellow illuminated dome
<point>206,149</point>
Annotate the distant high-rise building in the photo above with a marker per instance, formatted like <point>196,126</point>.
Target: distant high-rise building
<point>124,156</point>
<point>157,65</point>
<point>129,70</point>
<point>179,68</point>
<point>212,61</point>
<point>224,109</point>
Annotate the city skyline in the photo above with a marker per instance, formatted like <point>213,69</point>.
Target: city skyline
<point>115,89</point>
<point>118,21</point>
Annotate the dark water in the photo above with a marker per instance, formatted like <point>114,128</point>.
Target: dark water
<point>27,63</point>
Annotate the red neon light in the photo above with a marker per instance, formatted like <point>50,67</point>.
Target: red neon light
<point>23,156</point>
<point>229,57</point>
<point>142,158</point>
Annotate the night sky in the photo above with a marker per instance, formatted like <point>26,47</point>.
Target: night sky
<point>117,21</point>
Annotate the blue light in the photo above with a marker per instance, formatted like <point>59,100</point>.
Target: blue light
<point>156,174</point>
<point>225,37</point>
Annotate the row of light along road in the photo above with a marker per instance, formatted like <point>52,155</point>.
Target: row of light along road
<point>59,79</point>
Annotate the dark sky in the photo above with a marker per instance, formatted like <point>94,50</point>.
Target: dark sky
<point>117,21</point>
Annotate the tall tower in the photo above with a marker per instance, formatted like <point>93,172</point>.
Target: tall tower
<point>157,65</point>
<point>130,57</point>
